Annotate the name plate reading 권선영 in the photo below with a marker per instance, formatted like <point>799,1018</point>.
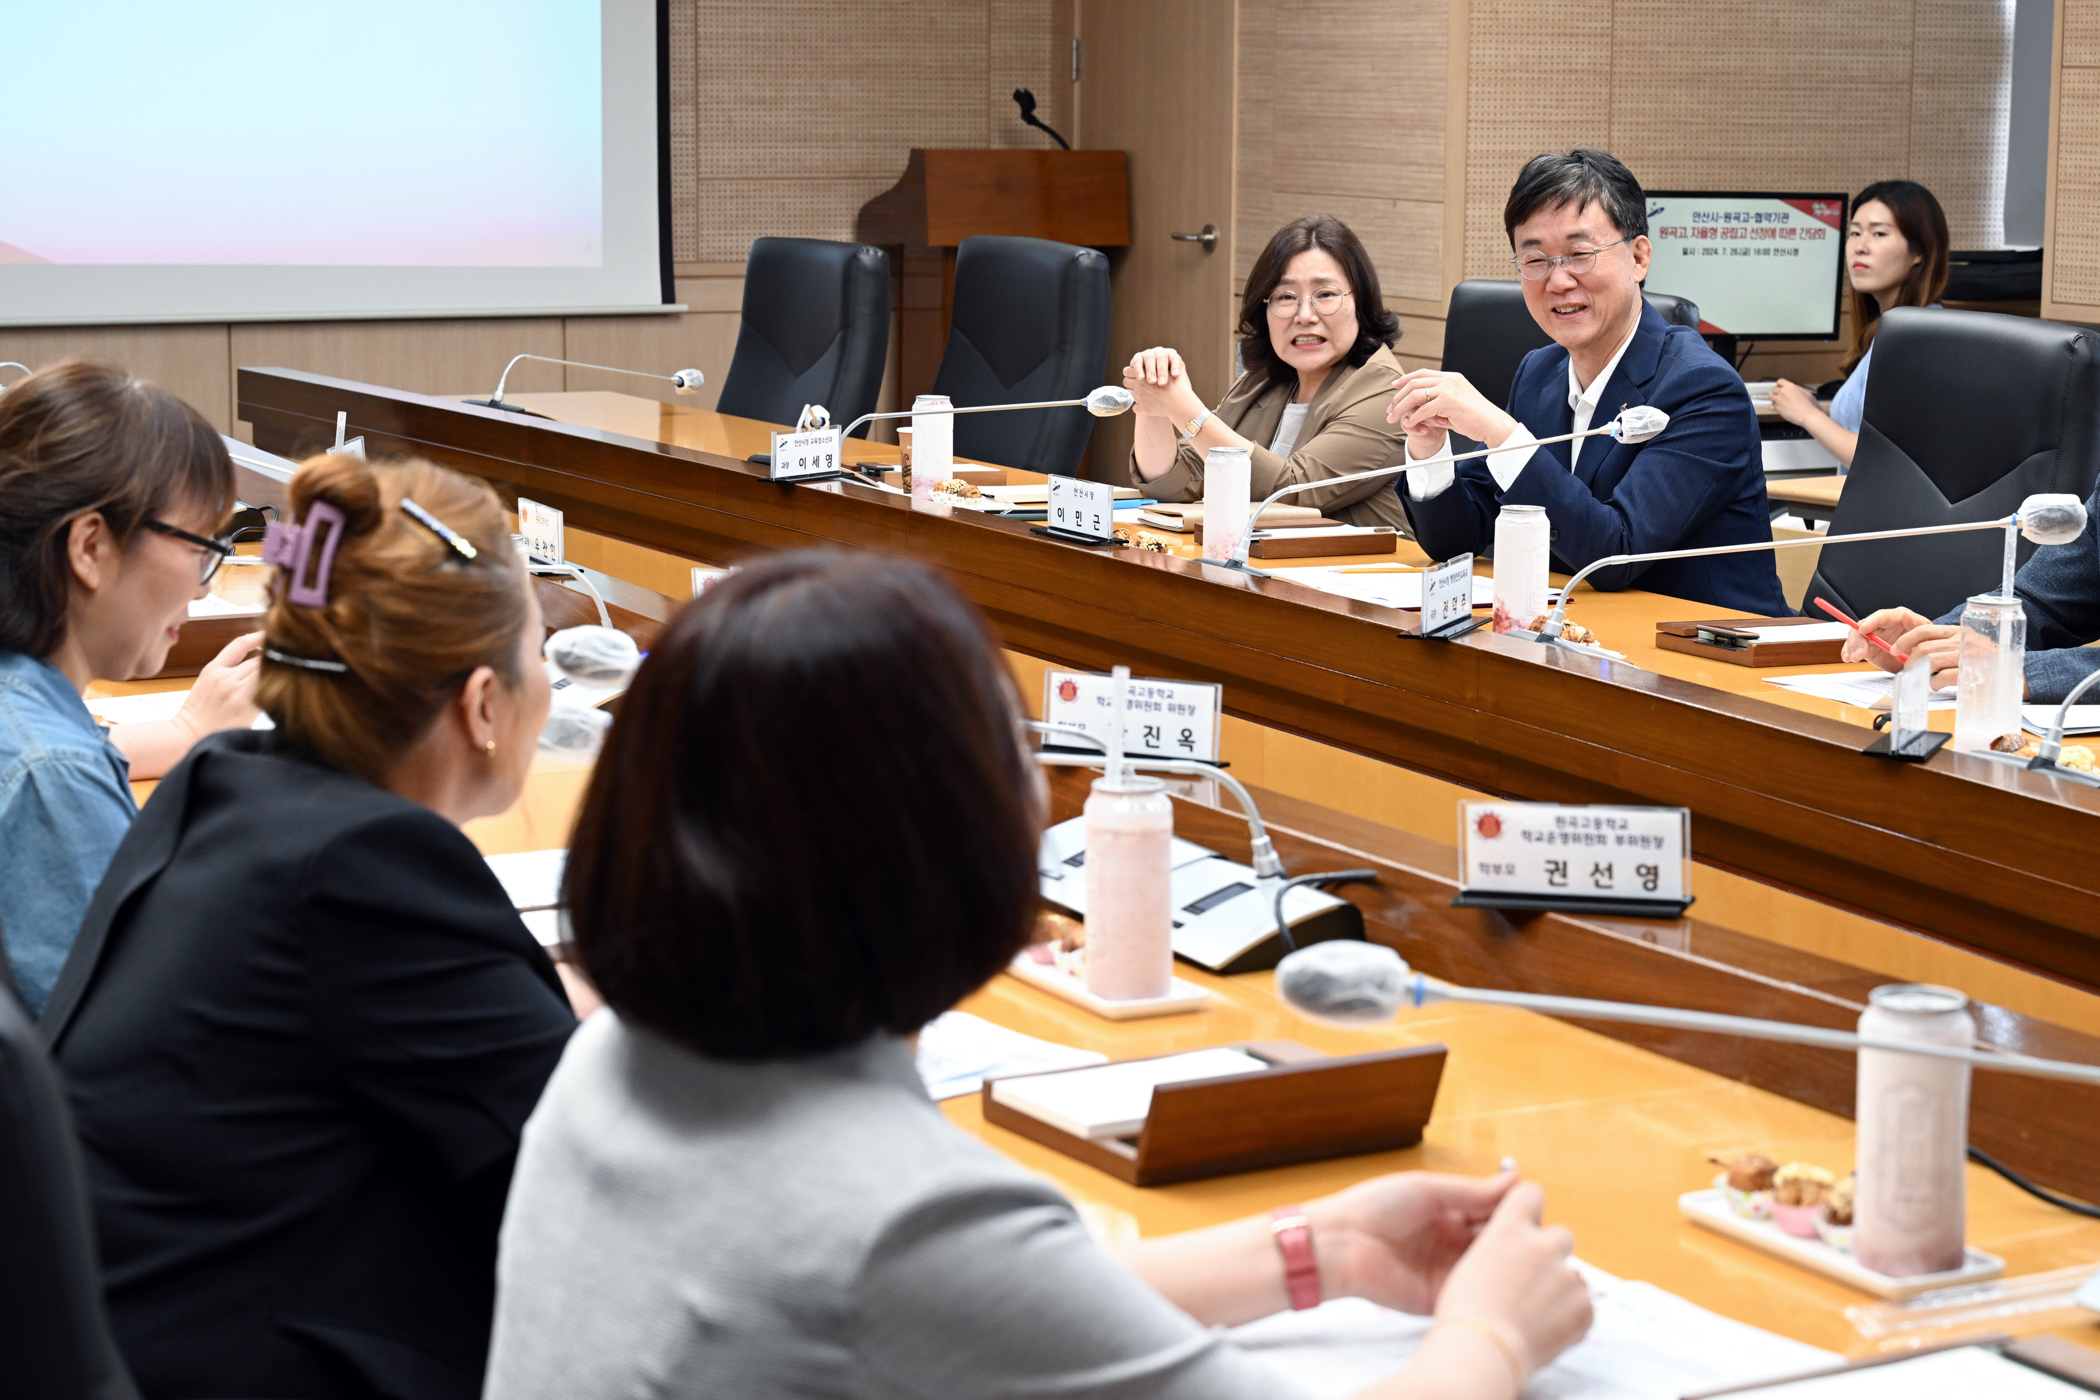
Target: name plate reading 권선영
<point>1581,859</point>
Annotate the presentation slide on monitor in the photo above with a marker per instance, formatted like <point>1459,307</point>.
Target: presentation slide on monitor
<point>1757,265</point>
<point>231,158</point>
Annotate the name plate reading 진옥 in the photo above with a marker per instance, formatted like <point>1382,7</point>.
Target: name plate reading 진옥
<point>1594,859</point>
<point>1447,594</point>
<point>814,452</point>
<point>1083,508</point>
<point>1162,719</point>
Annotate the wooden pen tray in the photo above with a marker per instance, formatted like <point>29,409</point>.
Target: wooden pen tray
<point>1305,1107</point>
<point>1684,637</point>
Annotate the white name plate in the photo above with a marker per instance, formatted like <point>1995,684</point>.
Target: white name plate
<point>1079,507</point>
<point>817,452</point>
<point>1447,594</point>
<point>1548,851</point>
<point>1162,719</point>
<point>541,527</point>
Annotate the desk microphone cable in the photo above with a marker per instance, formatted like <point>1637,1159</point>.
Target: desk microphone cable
<point>2040,1193</point>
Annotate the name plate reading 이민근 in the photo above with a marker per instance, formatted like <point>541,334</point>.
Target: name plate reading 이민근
<point>1084,508</point>
<point>1544,855</point>
<point>807,453</point>
<point>1447,594</point>
<point>1162,719</point>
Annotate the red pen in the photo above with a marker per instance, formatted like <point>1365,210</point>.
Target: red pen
<point>1824,604</point>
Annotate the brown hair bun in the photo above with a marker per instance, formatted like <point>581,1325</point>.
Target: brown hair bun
<point>405,613</point>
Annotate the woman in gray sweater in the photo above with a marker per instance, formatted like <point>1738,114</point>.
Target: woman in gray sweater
<point>812,830</point>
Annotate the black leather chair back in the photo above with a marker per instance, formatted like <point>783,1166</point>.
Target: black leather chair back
<point>1967,413</point>
<point>1030,323</point>
<point>816,329</point>
<point>55,1342</point>
<point>1489,331</point>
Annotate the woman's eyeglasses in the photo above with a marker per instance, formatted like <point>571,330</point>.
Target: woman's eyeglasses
<point>1284,305</point>
<point>214,551</point>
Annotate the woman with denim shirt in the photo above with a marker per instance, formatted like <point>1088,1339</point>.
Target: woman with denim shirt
<point>114,490</point>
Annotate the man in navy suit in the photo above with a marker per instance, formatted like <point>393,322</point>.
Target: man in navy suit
<point>1578,224</point>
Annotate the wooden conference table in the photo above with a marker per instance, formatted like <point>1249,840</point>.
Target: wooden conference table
<point>1975,853</point>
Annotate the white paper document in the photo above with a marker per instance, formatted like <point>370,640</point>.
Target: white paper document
<point>1645,1344</point>
<point>2083,719</point>
<point>1966,1373</point>
<point>143,709</point>
<point>212,605</point>
<point>1812,632</point>
<point>1868,690</point>
<point>532,879</point>
<point>1393,590</point>
<point>1112,1100</point>
<point>958,1052</point>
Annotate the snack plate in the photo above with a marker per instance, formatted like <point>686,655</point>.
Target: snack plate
<point>1181,996</point>
<point>1708,1208</point>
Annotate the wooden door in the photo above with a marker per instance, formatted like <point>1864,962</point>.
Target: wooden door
<point>1157,80</point>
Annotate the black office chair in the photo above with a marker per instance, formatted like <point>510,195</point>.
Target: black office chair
<point>1967,413</point>
<point>1030,323</point>
<point>1488,331</point>
<point>816,330</point>
<point>55,1342</point>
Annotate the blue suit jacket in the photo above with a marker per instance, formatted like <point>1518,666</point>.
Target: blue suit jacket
<point>2059,589</point>
<point>1699,482</point>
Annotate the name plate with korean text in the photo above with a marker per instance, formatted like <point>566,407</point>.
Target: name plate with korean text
<point>541,527</point>
<point>1084,508</point>
<point>1162,719</point>
<point>1447,594</point>
<point>1596,859</point>
<point>799,455</point>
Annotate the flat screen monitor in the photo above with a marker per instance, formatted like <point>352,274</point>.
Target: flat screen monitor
<point>221,160</point>
<point>1759,266</point>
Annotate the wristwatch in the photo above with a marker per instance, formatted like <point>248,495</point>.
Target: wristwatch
<point>1301,1271</point>
<point>1195,425</point>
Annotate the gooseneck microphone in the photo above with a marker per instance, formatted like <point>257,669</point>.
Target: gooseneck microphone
<point>2048,518</point>
<point>685,381</point>
<point>1104,402</point>
<point>1352,983</point>
<point>16,364</point>
<point>1636,424</point>
<point>1025,100</point>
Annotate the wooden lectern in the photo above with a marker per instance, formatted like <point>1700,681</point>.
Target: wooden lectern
<point>1080,197</point>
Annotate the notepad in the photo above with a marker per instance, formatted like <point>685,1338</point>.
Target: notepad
<point>2083,719</point>
<point>1112,1100</point>
<point>958,1052</point>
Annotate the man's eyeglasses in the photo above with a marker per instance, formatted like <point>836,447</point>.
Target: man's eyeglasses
<point>1536,267</point>
<point>215,551</point>
<point>1284,305</point>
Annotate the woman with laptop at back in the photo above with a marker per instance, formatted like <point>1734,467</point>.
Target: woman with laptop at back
<point>1895,255</point>
<point>813,830</point>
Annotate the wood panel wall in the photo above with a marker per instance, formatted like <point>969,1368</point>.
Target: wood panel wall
<point>1725,94</point>
<point>2071,267</point>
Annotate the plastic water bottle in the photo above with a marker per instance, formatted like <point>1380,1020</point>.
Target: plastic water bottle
<point>1523,566</point>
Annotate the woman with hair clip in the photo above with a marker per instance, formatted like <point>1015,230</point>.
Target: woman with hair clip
<point>302,1026</point>
<point>1895,255</point>
<point>736,1184</point>
<point>115,491</point>
<point>1316,356</point>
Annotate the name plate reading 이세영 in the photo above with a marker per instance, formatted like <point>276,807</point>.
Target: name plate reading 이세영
<point>1162,719</point>
<point>1083,508</point>
<point>1588,859</point>
<point>806,454</point>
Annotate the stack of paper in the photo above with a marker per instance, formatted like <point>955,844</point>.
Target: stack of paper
<point>1868,690</point>
<point>958,1052</point>
<point>2083,719</point>
<point>1645,1344</point>
<point>1112,1100</point>
<point>532,879</point>
<point>1388,590</point>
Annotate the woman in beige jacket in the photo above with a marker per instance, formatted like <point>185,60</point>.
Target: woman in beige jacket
<point>1316,349</point>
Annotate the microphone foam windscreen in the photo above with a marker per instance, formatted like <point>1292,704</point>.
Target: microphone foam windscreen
<point>1344,980</point>
<point>603,658</point>
<point>2052,518</point>
<point>1639,423</point>
<point>574,731</point>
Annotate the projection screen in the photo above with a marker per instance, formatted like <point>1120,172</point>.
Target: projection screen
<point>233,160</point>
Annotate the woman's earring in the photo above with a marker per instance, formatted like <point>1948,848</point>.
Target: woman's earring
<point>492,746</point>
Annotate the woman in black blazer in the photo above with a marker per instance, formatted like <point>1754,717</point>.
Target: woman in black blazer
<point>302,1026</point>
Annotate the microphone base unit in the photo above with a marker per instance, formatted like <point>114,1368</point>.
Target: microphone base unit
<point>1450,632</point>
<point>1073,537</point>
<point>1607,906</point>
<point>1916,749</point>
<point>506,408</point>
